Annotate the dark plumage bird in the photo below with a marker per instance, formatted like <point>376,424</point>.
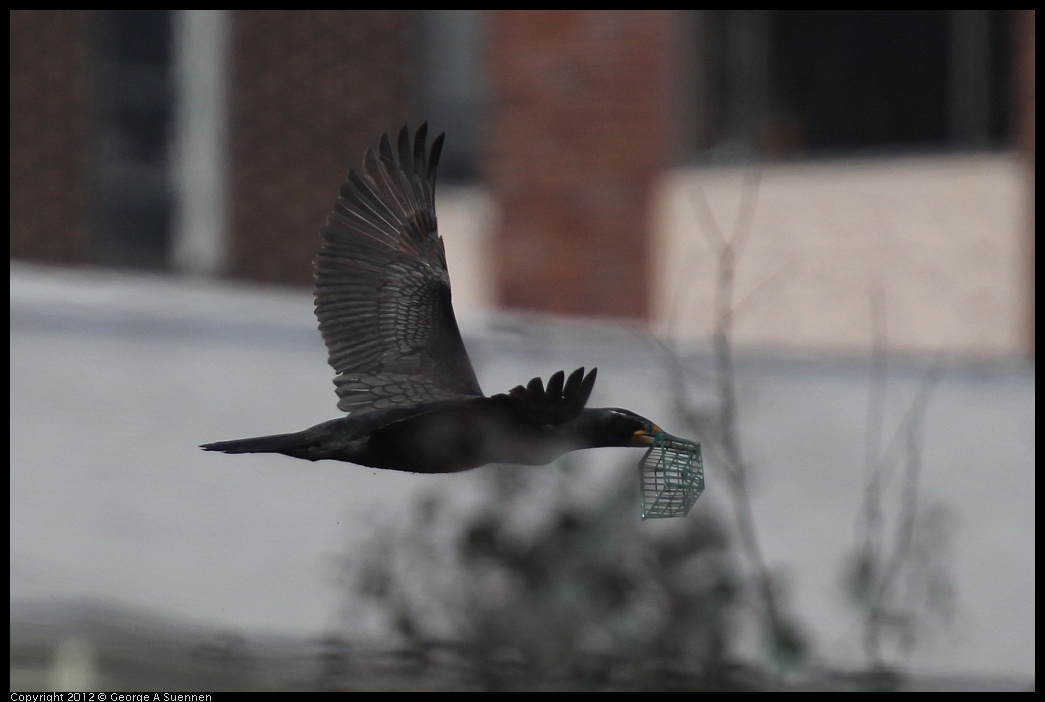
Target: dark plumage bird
<point>403,375</point>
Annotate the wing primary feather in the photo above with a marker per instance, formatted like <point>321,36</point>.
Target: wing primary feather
<point>554,390</point>
<point>433,163</point>
<point>585,390</point>
<point>573,382</point>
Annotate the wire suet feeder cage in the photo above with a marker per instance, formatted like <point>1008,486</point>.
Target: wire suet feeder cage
<point>671,477</point>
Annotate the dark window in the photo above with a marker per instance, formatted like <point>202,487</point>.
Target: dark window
<point>453,85</point>
<point>134,112</point>
<point>805,82</point>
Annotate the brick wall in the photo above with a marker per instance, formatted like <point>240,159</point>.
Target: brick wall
<point>579,126</point>
<point>309,91</point>
<point>50,83</point>
<point>1025,128</point>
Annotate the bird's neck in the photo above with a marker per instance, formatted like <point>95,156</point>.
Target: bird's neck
<point>587,430</point>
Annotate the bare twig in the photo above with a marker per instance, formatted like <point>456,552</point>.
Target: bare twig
<point>883,562</point>
<point>725,450</point>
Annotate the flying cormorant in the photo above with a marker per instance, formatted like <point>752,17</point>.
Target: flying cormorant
<point>402,373</point>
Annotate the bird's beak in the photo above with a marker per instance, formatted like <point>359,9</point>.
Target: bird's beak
<point>643,438</point>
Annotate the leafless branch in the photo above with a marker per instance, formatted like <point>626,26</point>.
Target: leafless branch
<point>883,562</point>
<point>724,450</point>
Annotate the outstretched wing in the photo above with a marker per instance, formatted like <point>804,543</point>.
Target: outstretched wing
<point>382,288</point>
<point>555,404</point>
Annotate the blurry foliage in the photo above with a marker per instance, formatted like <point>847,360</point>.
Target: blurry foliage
<point>576,597</point>
<point>901,600</point>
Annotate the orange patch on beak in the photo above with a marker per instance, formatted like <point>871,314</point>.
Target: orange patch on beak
<point>645,438</point>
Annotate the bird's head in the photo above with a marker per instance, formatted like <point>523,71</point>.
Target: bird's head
<point>613,426</point>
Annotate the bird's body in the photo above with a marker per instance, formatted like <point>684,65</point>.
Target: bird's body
<point>442,437</point>
<point>403,375</point>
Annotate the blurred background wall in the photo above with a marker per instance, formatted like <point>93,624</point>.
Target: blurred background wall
<point>893,149</point>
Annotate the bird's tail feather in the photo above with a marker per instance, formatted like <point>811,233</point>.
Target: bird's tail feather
<point>295,444</point>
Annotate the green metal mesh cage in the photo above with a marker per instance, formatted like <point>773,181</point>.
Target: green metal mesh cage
<point>671,477</point>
